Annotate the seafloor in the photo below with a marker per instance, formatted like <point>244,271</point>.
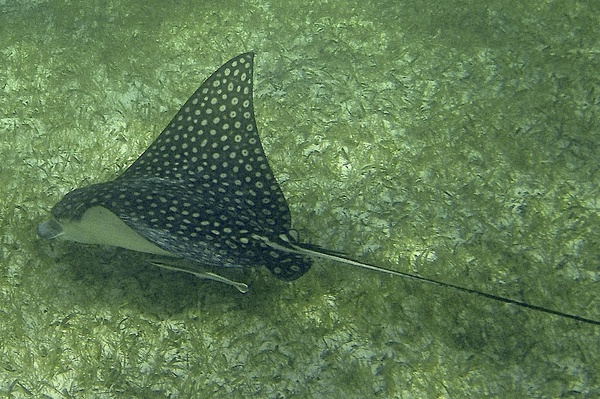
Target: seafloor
<point>456,139</point>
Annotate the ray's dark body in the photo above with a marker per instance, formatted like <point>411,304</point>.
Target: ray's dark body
<point>204,189</point>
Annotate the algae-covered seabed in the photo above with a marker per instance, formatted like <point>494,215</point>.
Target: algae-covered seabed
<point>457,140</point>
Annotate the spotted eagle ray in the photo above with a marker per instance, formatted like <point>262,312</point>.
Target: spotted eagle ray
<point>203,194</point>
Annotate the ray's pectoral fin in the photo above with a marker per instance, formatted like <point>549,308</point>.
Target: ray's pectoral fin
<point>283,261</point>
<point>181,266</point>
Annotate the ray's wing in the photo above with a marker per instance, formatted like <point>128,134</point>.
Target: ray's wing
<point>213,144</point>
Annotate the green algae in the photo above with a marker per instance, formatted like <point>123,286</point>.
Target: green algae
<point>458,141</point>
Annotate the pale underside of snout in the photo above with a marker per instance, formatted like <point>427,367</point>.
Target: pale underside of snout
<point>98,225</point>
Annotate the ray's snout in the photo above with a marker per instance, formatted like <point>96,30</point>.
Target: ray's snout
<point>49,229</point>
